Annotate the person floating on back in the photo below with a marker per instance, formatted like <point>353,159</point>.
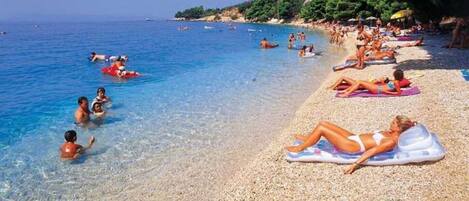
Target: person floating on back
<point>71,151</point>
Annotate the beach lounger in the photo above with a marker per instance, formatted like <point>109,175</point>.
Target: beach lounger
<point>351,63</point>
<point>365,93</point>
<point>415,145</point>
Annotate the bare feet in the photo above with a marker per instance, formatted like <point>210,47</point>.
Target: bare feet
<point>294,149</point>
<point>344,95</point>
<point>300,137</point>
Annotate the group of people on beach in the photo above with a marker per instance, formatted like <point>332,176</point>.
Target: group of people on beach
<point>370,46</point>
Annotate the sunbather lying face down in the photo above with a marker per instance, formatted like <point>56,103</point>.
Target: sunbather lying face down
<point>370,144</point>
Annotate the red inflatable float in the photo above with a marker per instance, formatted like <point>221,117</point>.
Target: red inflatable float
<point>112,71</point>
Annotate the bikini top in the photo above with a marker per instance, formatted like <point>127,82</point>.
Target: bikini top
<point>391,85</point>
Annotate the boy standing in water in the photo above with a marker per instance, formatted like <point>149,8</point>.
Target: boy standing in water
<point>71,151</point>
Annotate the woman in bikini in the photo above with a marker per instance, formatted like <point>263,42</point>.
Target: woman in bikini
<point>370,144</point>
<point>398,75</point>
<point>363,39</point>
<point>390,87</point>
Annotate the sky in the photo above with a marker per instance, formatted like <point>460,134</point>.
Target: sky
<point>99,10</point>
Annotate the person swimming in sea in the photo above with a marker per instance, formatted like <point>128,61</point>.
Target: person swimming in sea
<point>70,150</point>
<point>101,57</point>
<point>96,57</point>
<point>266,44</point>
<point>302,52</point>
<point>82,113</point>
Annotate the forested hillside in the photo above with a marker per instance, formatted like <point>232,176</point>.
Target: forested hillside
<point>264,10</point>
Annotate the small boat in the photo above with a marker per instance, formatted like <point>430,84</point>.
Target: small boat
<point>209,27</point>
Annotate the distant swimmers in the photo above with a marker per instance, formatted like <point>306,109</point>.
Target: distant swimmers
<point>71,151</point>
<point>183,28</point>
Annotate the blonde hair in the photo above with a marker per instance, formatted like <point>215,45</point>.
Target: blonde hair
<point>404,122</point>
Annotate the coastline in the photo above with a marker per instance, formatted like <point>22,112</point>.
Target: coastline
<point>442,107</point>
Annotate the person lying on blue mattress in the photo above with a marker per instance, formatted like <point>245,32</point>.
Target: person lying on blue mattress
<point>369,144</point>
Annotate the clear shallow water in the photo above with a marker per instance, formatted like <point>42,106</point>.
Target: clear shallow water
<point>200,88</point>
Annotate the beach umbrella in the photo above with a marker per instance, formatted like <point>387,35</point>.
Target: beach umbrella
<point>371,18</point>
<point>352,20</point>
<point>402,14</point>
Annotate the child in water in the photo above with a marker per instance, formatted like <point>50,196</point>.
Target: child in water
<point>71,151</point>
<point>101,97</point>
<point>98,110</point>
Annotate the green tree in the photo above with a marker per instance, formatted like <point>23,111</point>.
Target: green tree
<point>386,8</point>
<point>261,10</point>
<point>289,8</point>
<point>191,13</point>
<point>315,10</point>
<point>331,9</point>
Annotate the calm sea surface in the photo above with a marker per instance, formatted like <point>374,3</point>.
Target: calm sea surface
<point>200,89</point>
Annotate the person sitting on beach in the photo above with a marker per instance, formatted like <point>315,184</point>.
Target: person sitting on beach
<point>390,87</point>
<point>71,151</point>
<point>369,144</point>
<point>101,96</point>
<point>348,82</point>
<point>82,114</point>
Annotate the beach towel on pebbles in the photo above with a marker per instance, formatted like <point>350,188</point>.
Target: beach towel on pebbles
<point>367,94</point>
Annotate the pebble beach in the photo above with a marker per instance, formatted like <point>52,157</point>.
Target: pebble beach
<point>442,105</point>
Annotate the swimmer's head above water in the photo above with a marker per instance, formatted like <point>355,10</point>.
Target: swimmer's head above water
<point>70,136</point>
<point>83,102</point>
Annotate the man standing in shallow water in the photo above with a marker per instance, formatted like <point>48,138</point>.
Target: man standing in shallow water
<point>82,114</point>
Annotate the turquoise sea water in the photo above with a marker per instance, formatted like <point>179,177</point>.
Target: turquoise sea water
<point>199,88</point>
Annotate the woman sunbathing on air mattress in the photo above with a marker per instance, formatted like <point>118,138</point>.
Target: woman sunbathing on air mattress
<point>344,83</point>
<point>370,144</point>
